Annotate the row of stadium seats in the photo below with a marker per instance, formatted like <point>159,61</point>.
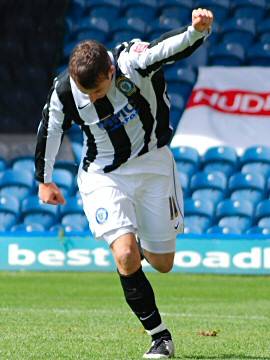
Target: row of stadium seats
<point>223,9</point>
<point>220,189</point>
<point>255,161</point>
<point>240,34</point>
<point>201,215</point>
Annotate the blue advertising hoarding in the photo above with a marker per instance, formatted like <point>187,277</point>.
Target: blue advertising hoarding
<point>197,254</point>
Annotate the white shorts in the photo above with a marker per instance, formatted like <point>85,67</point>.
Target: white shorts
<point>149,205</point>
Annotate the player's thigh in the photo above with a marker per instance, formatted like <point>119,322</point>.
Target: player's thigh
<point>109,211</point>
<point>159,211</point>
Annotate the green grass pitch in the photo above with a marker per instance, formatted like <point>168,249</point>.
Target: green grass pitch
<point>51,316</point>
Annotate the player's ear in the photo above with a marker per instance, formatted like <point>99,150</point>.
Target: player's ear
<point>111,70</point>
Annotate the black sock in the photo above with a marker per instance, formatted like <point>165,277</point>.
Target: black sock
<point>141,299</point>
<point>165,334</point>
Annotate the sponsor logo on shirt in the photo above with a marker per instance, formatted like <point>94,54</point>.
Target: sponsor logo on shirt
<point>119,119</point>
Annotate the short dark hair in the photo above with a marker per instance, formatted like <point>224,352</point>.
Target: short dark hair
<point>89,61</point>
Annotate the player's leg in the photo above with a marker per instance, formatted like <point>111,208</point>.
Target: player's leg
<point>111,215</point>
<point>160,219</point>
<point>137,289</point>
<point>161,262</point>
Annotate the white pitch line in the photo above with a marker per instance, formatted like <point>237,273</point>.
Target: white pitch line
<point>208,316</point>
<point>108,312</point>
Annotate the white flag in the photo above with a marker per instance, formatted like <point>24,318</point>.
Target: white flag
<point>228,106</point>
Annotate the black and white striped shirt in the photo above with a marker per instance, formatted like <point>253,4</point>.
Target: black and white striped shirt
<point>131,120</point>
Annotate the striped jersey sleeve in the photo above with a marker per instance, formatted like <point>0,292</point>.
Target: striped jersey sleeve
<point>49,136</point>
<point>170,47</point>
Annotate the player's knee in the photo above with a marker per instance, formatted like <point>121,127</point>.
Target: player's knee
<point>127,260</point>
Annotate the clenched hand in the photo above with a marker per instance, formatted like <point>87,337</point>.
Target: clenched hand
<point>202,19</point>
<point>50,194</point>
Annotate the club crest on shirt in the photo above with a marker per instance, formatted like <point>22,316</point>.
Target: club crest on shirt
<point>125,86</point>
<point>101,215</point>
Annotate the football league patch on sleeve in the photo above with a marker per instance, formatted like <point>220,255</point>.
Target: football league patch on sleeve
<point>140,47</point>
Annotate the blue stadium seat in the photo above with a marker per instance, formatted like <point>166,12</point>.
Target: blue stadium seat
<point>110,13</point>
<point>250,186</point>
<point>23,163</point>
<point>263,27</point>
<point>181,8</point>
<point>256,155</point>
<point>229,54</point>
<point>241,31</point>
<point>187,159</point>
<point>68,165</point>
<point>36,212</point>
<point>184,181</point>
<point>220,8</point>
<point>220,158</point>
<point>193,225</point>
<point>265,38</point>
<point>7,220</point>
<point>9,204</point>
<point>208,186</point>
<point>235,214</point>
<point>142,9</point>
<point>110,4</point>
<point>148,14</point>
<point>259,230</point>
<point>73,205</point>
<point>215,196</point>
<point>62,229</point>
<point>18,183</point>
<point>28,228</point>
<point>180,80</point>
<point>3,164</point>
<point>226,230</point>
<point>254,9</point>
<point>9,211</point>
<point>75,134</point>
<point>264,222</point>
<point>201,213</point>
<point>92,28</point>
<point>159,26</point>
<point>214,38</point>
<point>196,207</point>
<point>17,177</point>
<point>262,211</point>
<point>18,192</point>
<point>123,35</point>
<point>82,35</point>
<point>238,222</point>
<point>79,220</point>
<point>134,26</point>
<point>64,180</point>
<point>77,151</point>
<point>177,102</point>
<point>256,168</point>
<point>268,187</point>
<point>205,180</point>
<point>259,55</point>
<point>198,58</point>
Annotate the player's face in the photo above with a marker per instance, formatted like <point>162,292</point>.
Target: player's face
<point>102,88</point>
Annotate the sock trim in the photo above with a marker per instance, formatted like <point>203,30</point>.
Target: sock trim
<point>156,330</point>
